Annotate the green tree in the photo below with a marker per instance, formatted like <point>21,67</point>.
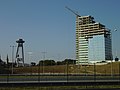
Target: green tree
<point>47,63</point>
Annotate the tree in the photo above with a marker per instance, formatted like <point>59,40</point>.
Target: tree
<point>59,63</point>
<point>116,58</point>
<point>33,63</point>
<point>66,61</point>
<point>2,63</point>
<point>7,61</point>
<point>69,61</point>
<point>47,63</point>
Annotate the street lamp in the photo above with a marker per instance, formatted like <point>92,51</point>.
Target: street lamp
<point>115,30</point>
<point>67,69</point>
<point>119,71</point>
<point>43,60</point>
<point>29,59</point>
<point>12,56</point>
<point>94,72</point>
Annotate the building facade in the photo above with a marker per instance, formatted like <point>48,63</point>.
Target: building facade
<point>93,41</point>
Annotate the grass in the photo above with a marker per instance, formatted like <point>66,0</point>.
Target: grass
<point>61,87</point>
<point>100,69</point>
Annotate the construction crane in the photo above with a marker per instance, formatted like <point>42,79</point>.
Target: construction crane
<point>72,11</point>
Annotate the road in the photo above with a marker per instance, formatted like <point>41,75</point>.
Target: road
<point>58,78</point>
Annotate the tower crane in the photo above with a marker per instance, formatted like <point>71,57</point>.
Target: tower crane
<point>72,11</point>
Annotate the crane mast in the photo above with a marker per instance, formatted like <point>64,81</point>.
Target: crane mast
<point>72,11</point>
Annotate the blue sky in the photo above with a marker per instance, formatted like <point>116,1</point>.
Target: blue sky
<point>46,25</point>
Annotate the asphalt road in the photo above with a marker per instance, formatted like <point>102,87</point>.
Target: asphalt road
<point>58,78</point>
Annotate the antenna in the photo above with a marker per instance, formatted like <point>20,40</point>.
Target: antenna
<point>72,11</point>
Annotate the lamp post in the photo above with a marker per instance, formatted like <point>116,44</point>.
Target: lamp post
<point>67,70</point>
<point>29,59</point>
<point>115,30</point>
<point>94,72</point>
<point>119,71</point>
<point>12,57</point>
<point>43,61</point>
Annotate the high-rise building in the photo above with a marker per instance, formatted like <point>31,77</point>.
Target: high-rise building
<point>93,41</point>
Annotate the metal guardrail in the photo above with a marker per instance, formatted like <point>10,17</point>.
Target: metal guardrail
<point>58,74</point>
<point>56,79</point>
<point>55,83</point>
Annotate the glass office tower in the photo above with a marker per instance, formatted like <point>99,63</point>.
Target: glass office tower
<point>93,41</point>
